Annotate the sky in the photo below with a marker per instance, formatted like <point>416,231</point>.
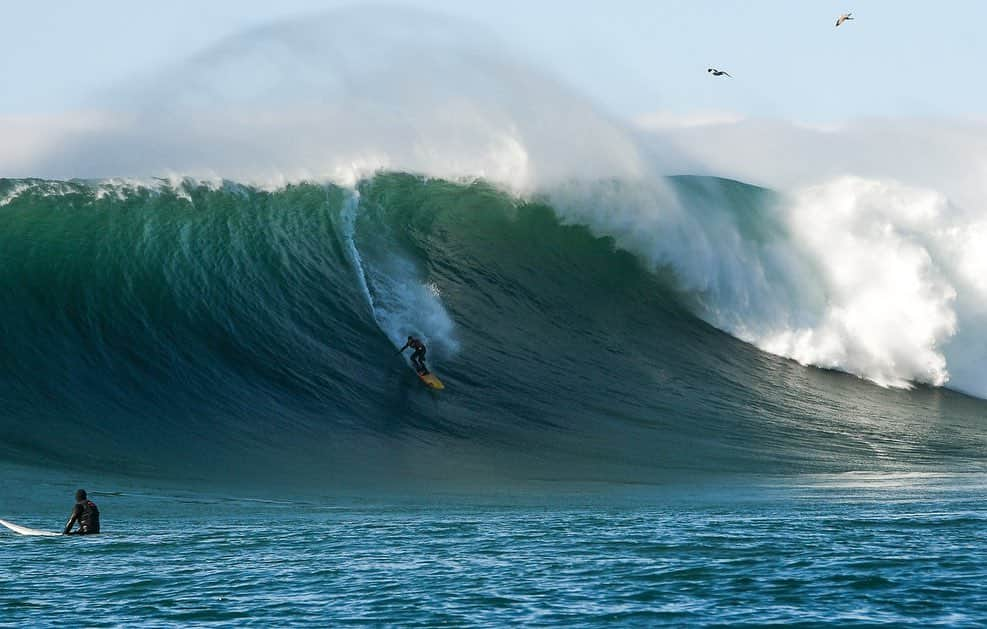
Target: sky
<point>632,57</point>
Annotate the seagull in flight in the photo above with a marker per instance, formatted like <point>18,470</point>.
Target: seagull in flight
<point>716,72</point>
<point>843,18</point>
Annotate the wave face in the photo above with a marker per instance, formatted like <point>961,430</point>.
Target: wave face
<point>208,330</point>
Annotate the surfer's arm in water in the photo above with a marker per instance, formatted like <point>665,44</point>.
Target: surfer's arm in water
<point>406,346</point>
<point>76,515</point>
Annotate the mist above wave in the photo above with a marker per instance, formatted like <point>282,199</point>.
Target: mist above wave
<point>345,94</point>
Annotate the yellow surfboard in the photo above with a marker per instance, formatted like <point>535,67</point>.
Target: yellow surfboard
<point>431,381</point>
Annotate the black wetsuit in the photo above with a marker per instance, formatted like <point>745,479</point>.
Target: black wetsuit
<point>86,513</point>
<point>418,357</point>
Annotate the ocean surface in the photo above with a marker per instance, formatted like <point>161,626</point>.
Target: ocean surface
<point>634,430</point>
<point>842,550</point>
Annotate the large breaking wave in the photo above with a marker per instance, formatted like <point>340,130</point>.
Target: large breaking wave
<point>566,286</point>
<point>203,329</point>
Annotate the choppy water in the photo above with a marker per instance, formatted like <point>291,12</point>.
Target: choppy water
<point>835,550</point>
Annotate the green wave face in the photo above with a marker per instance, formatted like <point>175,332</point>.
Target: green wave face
<point>225,331</point>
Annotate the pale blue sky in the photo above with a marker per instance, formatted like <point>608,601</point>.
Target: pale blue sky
<point>631,56</point>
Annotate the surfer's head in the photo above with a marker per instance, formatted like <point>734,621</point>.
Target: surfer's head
<point>411,338</point>
<point>80,495</point>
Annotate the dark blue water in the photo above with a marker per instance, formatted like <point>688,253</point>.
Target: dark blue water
<point>822,550</point>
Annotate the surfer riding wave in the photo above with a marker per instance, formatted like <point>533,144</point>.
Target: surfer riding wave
<point>418,356</point>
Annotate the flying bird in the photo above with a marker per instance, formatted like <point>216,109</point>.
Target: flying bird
<point>716,72</point>
<point>843,18</point>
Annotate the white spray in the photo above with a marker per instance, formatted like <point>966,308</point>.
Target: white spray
<point>401,300</point>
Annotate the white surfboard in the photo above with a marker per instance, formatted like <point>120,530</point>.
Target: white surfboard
<point>23,530</point>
